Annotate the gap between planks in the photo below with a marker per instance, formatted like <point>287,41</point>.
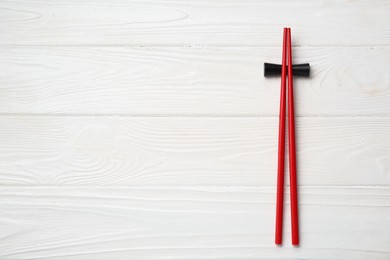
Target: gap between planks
<point>199,188</point>
<point>188,115</point>
<point>168,46</point>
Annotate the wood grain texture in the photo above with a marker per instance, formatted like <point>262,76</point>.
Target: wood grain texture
<point>217,22</point>
<point>145,129</point>
<point>189,223</point>
<point>189,151</point>
<point>189,81</point>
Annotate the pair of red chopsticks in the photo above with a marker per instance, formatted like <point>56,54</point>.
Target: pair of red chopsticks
<point>286,65</point>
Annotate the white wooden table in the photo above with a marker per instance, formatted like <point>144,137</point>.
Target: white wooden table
<point>146,130</point>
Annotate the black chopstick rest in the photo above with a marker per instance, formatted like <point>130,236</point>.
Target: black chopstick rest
<point>271,69</point>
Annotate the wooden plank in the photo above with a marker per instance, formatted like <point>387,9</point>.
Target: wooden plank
<point>189,223</point>
<point>188,151</point>
<point>218,22</point>
<point>196,81</point>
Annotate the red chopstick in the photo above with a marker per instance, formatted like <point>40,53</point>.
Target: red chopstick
<point>281,151</point>
<point>286,59</point>
<point>292,153</point>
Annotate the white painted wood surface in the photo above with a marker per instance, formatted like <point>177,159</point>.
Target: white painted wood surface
<point>188,223</point>
<point>175,151</point>
<point>146,130</point>
<point>183,81</point>
<point>216,22</point>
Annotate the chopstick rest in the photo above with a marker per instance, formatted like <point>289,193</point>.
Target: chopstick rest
<point>289,70</point>
<point>272,69</point>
